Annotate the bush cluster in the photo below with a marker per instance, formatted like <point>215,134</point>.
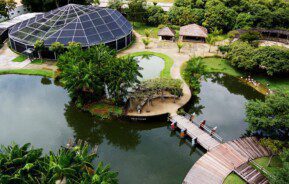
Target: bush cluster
<point>273,60</point>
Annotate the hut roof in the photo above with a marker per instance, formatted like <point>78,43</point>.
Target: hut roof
<point>166,31</point>
<point>194,30</point>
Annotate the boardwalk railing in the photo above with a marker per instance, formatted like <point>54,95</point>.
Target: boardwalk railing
<point>262,169</point>
<point>206,128</point>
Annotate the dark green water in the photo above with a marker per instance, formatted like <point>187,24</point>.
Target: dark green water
<point>32,110</point>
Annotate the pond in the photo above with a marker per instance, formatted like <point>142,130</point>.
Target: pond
<point>222,103</point>
<point>34,110</point>
<point>151,66</point>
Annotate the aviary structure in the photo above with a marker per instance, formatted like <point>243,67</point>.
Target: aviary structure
<point>87,25</point>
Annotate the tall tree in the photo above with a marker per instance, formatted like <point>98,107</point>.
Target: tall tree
<point>270,116</point>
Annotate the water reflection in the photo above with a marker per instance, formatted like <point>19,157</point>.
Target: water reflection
<point>43,115</point>
<point>222,103</point>
<point>151,66</point>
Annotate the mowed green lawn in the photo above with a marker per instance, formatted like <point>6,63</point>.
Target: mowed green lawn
<point>141,27</point>
<point>220,65</point>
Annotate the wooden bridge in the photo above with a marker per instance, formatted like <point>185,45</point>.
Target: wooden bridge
<point>202,137</point>
<point>221,158</point>
<point>218,163</point>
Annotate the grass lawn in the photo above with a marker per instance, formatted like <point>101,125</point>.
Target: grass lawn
<point>38,61</point>
<point>219,65</point>
<point>45,73</point>
<point>20,58</point>
<point>141,27</point>
<point>234,179</point>
<point>274,165</point>
<point>166,72</point>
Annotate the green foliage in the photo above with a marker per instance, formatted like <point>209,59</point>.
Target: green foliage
<point>244,21</point>
<point>136,10</point>
<point>115,4</point>
<point>72,165</point>
<point>224,48</point>
<point>73,45</point>
<point>194,71</point>
<point>250,36</point>
<point>155,15</point>
<point>180,45</point>
<point>240,54</point>
<point>273,59</point>
<point>148,88</point>
<point>233,179</point>
<point>146,42</point>
<point>39,45</point>
<point>270,116</point>
<point>220,17</point>
<point>57,48</point>
<point>181,16</point>
<point>85,73</point>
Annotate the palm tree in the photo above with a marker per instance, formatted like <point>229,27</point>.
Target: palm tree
<point>146,42</point>
<point>180,46</point>
<point>211,41</point>
<point>147,33</point>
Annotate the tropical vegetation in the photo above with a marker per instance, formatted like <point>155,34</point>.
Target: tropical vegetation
<point>270,117</point>
<point>273,60</point>
<point>193,72</point>
<point>25,164</point>
<point>90,74</point>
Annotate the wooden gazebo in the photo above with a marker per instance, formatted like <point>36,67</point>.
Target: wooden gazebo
<point>167,33</point>
<point>193,32</point>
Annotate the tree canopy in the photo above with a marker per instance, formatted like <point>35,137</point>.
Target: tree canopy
<point>89,74</point>
<point>271,116</point>
<point>271,59</point>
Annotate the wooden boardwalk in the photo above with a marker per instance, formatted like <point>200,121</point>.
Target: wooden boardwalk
<point>219,162</point>
<point>204,139</point>
<point>250,174</point>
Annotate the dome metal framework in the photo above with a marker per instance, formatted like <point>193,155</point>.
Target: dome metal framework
<point>87,25</point>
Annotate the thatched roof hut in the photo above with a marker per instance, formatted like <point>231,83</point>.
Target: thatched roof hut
<point>166,33</point>
<point>193,32</point>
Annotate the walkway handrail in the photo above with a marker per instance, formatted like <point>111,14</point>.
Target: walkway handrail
<point>207,129</point>
<point>262,169</point>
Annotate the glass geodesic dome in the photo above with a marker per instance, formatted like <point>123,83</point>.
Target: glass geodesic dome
<point>87,25</point>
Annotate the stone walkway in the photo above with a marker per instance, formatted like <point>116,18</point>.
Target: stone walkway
<point>6,57</point>
<point>170,49</point>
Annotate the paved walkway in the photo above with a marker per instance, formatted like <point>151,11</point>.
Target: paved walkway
<point>170,49</point>
<point>6,57</point>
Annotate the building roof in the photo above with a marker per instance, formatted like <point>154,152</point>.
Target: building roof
<point>87,25</point>
<point>194,30</point>
<point>9,23</point>
<point>166,31</point>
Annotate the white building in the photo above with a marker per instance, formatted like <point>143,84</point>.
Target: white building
<point>19,10</point>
